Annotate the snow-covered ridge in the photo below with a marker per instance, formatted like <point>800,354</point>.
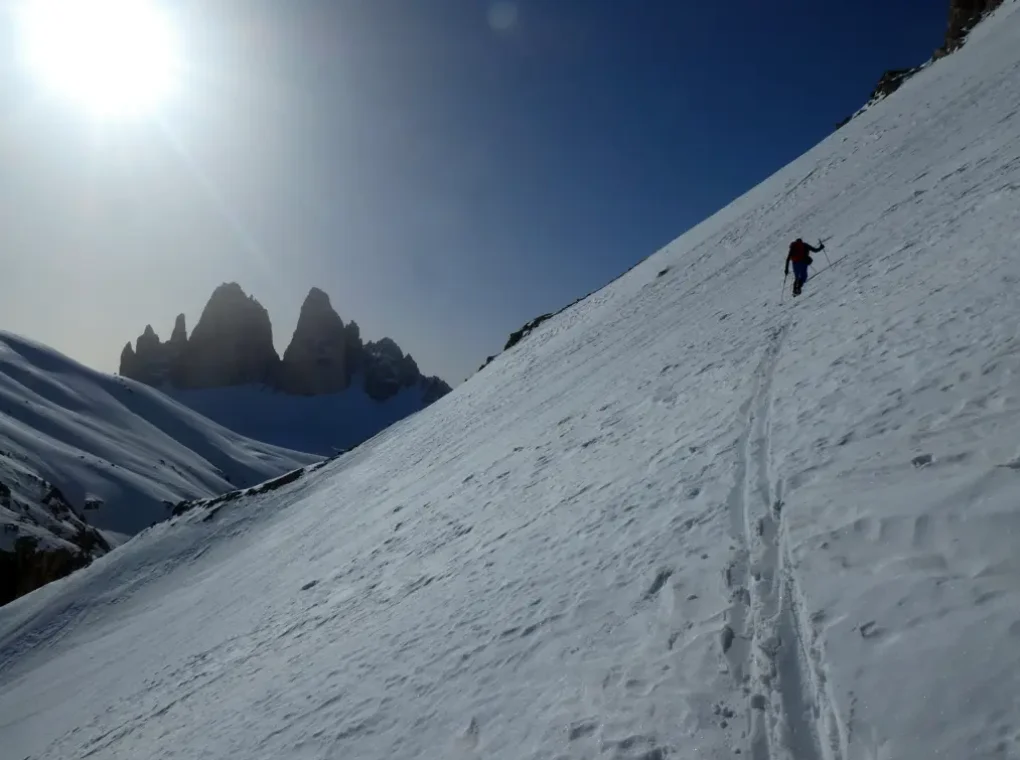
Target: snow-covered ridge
<point>80,450</point>
<point>682,518</point>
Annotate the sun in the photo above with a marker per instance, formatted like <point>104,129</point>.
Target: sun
<point>115,58</point>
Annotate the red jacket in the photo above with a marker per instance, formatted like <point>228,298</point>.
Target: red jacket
<point>800,252</point>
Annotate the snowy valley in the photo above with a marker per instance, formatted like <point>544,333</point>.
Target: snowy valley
<point>687,517</point>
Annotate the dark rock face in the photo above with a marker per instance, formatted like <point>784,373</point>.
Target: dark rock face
<point>179,337</point>
<point>408,371</point>
<point>152,361</point>
<point>355,350</point>
<point>891,81</point>
<point>27,567</point>
<point>315,362</point>
<point>232,344</point>
<point>43,538</point>
<point>963,16</point>
<point>174,349</point>
<point>433,389</point>
<point>129,365</point>
<point>383,362</point>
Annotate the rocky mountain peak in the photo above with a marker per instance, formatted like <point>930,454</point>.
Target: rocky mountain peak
<point>315,362</point>
<point>232,344</point>
<point>180,333</point>
<point>128,361</point>
<point>147,340</point>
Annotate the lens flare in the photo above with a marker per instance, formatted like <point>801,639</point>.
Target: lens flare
<point>113,57</point>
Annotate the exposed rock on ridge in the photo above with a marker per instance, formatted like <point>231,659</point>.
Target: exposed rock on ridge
<point>964,15</point>
<point>42,537</point>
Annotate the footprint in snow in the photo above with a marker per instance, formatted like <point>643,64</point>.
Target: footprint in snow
<point>870,630</point>
<point>469,739</point>
<point>581,729</point>
<point>658,583</point>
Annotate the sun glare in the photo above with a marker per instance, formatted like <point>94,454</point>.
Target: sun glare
<point>116,58</point>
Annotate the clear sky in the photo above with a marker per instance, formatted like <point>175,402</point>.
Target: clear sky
<point>445,169</point>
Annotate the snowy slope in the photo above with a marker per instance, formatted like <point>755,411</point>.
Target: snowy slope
<point>679,520</point>
<point>317,424</point>
<point>117,444</point>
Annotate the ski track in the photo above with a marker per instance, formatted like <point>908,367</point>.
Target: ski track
<point>764,641</point>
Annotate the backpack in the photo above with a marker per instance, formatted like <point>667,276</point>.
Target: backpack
<point>799,252</point>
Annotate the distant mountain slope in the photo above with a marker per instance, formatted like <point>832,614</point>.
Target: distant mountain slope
<point>229,369</point>
<point>82,450</point>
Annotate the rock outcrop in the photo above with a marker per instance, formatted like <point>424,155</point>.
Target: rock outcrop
<point>316,360</point>
<point>964,15</point>
<point>891,81</point>
<point>174,349</point>
<point>232,344</point>
<point>42,537</point>
<point>151,361</point>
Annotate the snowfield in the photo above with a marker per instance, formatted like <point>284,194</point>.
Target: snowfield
<point>679,520</point>
<point>112,444</point>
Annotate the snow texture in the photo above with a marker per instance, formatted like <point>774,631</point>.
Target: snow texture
<point>119,445</point>
<point>679,520</point>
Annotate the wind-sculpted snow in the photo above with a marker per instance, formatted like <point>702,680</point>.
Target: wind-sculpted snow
<point>678,520</point>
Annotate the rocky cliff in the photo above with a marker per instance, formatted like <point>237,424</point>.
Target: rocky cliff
<point>964,16</point>
<point>42,537</point>
<point>232,345</point>
<point>319,357</point>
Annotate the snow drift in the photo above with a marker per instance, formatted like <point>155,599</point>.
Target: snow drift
<point>679,519</point>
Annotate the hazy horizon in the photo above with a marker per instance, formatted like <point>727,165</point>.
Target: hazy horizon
<point>445,171</point>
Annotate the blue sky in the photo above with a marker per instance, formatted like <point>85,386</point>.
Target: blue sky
<point>445,169</point>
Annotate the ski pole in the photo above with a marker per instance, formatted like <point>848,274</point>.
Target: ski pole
<point>821,244</point>
<point>783,294</point>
